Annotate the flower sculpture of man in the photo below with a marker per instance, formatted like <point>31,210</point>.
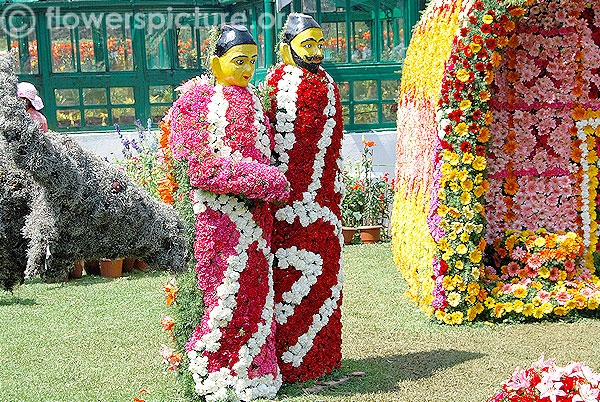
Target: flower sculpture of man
<point>307,242</point>
<point>222,135</point>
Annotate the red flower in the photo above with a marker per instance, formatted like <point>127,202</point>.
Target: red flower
<point>465,146</point>
<point>486,28</point>
<point>480,150</point>
<point>455,115</point>
<point>491,43</point>
<point>464,31</point>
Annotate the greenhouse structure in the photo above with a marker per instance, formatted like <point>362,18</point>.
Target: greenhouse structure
<point>116,61</point>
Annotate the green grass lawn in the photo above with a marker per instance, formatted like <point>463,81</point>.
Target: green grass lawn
<point>96,339</point>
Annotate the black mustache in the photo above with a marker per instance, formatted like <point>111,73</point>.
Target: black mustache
<point>313,58</point>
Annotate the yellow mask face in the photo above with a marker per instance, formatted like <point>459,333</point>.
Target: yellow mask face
<point>308,46</point>
<point>236,66</point>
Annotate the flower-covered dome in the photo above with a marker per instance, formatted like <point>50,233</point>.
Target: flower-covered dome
<point>498,127</point>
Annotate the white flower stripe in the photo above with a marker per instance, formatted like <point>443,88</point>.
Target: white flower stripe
<point>287,95</point>
<point>311,266</point>
<point>296,352</point>
<point>213,386</point>
<point>308,211</point>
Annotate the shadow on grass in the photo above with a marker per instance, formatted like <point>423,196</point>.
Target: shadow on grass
<point>87,280</point>
<point>14,300</point>
<point>385,373</point>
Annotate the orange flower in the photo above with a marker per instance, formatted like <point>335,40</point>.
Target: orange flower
<point>511,186</point>
<point>510,147</point>
<point>368,143</point>
<point>167,323</point>
<point>517,12</point>
<point>171,289</point>
<point>136,399</point>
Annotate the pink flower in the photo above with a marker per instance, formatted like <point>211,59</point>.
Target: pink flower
<point>519,380</point>
<point>513,268</point>
<point>517,253</point>
<point>563,297</point>
<point>543,296</point>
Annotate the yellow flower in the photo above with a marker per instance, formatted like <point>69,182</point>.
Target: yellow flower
<point>478,191</point>
<point>461,129</point>
<point>467,184</point>
<point>463,75</point>
<point>490,302</point>
<point>471,299</point>
<point>465,104</point>
<point>593,304</point>
<point>547,308</point>
<point>462,175</point>
<point>465,198</point>
<point>462,249</point>
<point>561,310</point>
<point>562,276</point>
<point>475,47</point>
<point>459,265</point>
<point>518,306</point>
<point>508,307</point>
<point>471,313</point>
<point>468,158</point>
<point>475,273</point>
<point>540,242</point>
<point>457,317</point>
<point>538,313</point>
<point>452,236</point>
<point>454,299</point>
<point>475,256</point>
<point>527,309</point>
<point>454,158</point>
<point>443,244</point>
<point>489,118</point>
<point>499,310</point>
<point>536,285</point>
<point>544,273</point>
<point>487,19</point>
<point>520,291</point>
<point>464,237</point>
<point>479,163</point>
<point>448,284</point>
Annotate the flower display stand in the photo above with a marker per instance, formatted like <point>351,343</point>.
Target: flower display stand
<point>92,267</point>
<point>111,268</point>
<point>77,271</point>
<point>129,264</point>
<point>348,233</point>
<point>370,234</point>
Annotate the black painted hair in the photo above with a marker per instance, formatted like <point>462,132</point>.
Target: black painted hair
<point>297,23</point>
<point>230,36</point>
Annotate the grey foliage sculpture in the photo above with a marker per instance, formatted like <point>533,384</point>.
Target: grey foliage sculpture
<point>88,209</point>
<point>16,188</point>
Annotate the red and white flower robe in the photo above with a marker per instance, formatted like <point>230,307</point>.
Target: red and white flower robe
<point>307,243</point>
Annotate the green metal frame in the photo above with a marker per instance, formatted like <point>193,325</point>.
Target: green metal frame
<point>141,78</point>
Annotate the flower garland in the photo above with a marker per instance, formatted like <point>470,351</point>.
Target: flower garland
<point>222,135</point>
<point>545,381</point>
<point>308,271</point>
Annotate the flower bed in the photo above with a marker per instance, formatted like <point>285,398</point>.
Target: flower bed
<point>484,144</point>
<point>544,381</point>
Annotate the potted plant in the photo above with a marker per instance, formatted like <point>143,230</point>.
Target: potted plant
<point>368,197</point>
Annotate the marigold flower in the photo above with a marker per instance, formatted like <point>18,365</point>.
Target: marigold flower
<point>463,75</point>
<point>479,163</point>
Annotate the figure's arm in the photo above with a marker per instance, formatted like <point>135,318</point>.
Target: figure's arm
<point>252,179</point>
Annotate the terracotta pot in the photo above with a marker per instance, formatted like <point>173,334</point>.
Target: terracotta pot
<point>348,234</point>
<point>139,264</point>
<point>370,234</point>
<point>128,264</point>
<point>77,271</point>
<point>92,267</point>
<point>111,268</point>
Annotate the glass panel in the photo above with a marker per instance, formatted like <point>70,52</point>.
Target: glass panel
<point>186,47</point>
<point>63,58</point>
<point>365,114</point>
<point>94,96</point>
<point>157,44</point>
<point>158,112</point>
<point>91,54</point>
<point>96,117</point>
<point>362,19</point>
<point>260,62</point>
<point>68,118</point>
<point>118,44</point>
<point>335,39</point>
<point>346,113</point>
<point>25,52</point>
<point>124,115</point>
<point>161,94</point>
<point>204,39</point>
<point>390,111</point>
<point>3,40</point>
<point>121,96</point>
<point>344,88</point>
<point>392,31</point>
<point>365,90</point>
<point>390,89</point>
<point>66,97</point>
